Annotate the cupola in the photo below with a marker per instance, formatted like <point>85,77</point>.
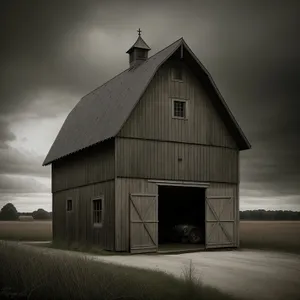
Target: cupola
<point>138,53</point>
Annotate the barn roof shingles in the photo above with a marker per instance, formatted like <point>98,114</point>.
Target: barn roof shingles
<point>101,114</point>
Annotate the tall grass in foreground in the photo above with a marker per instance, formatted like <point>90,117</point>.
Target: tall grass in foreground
<point>33,274</point>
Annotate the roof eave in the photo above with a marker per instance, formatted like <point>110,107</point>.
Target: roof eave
<point>50,161</point>
<point>133,47</point>
<point>246,146</point>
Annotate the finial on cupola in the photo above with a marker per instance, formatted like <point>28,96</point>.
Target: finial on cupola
<point>138,53</point>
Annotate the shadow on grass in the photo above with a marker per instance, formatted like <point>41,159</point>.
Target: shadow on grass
<point>31,274</point>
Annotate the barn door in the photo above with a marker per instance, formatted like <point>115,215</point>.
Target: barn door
<point>219,227</point>
<point>143,223</point>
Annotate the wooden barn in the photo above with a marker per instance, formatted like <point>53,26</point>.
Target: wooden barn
<point>153,147</point>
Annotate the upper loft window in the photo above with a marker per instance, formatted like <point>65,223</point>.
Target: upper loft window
<point>179,109</point>
<point>97,211</point>
<point>69,205</point>
<point>177,73</point>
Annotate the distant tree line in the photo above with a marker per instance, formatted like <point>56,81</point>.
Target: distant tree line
<point>270,215</point>
<point>10,213</point>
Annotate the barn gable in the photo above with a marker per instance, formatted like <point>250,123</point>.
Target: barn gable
<point>101,114</point>
<point>152,117</point>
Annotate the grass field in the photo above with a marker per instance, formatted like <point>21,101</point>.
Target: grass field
<point>271,235</point>
<point>26,230</point>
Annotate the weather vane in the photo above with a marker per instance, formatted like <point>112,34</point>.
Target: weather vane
<point>139,31</point>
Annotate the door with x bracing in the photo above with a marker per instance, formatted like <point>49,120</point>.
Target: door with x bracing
<point>220,222</point>
<point>143,223</point>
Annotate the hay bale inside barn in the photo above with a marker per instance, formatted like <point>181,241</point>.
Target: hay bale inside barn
<point>153,148</point>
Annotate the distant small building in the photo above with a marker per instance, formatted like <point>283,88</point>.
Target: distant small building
<point>25,218</point>
<point>153,147</point>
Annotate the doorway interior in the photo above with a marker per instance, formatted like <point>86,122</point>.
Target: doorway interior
<point>181,213</point>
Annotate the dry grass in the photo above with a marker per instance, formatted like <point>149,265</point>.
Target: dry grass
<point>271,235</point>
<point>33,274</point>
<point>26,231</point>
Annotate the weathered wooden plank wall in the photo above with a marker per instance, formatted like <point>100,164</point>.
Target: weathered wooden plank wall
<point>80,177</point>
<point>152,117</point>
<point>175,161</point>
<point>153,145</point>
<point>80,228</point>
<point>238,204</point>
<point>92,165</point>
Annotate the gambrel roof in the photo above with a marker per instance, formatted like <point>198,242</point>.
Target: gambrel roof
<point>101,114</point>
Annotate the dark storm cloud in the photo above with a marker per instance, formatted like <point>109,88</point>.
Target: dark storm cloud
<point>34,33</point>
<point>13,161</point>
<point>5,135</point>
<point>250,49</point>
<point>9,184</point>
<point>259,74</point>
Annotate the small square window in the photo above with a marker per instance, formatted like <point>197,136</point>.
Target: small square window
<point>97,211</point>
<point>69,205</point>
<point>179,109</point>
<point>177,74</point>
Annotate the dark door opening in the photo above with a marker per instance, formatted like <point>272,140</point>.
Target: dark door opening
<point>181,213</point>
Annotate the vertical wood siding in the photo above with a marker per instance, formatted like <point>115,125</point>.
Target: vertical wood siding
<point>175,161</point>
<point>238,205</point>
<point>153,145</point>
<point>125,186</point>
<point>152,117</point>
<point>76,226</point>
<point>92,165</point>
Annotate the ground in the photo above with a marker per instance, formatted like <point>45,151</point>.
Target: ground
<point>245,274</point>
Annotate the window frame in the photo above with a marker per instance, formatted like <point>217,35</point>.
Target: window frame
<point>97,198</point>
<point>67,205</point>
<point>185,101</point>
<point>173,71</point>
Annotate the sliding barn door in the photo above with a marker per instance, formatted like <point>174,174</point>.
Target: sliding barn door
<point>220,223</point>
<point>143,223</point>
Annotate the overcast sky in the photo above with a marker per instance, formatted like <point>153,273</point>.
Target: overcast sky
<point>54,52</point>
